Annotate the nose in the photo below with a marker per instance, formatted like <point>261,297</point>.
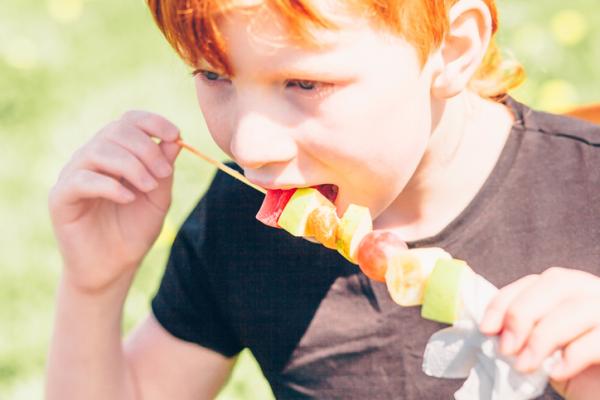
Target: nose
<point>259,141</point>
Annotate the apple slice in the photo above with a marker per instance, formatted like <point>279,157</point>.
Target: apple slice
<point>408,272</point>
<point>354,225</point>
<point>273,205</point>
<point>276,199</point>
<point>295,214</point>
<point>442,300</point>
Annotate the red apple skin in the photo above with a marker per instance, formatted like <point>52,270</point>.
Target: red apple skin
<point>375,250</point>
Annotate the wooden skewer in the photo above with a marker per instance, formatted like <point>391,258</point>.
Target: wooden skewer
<point>229,171</point>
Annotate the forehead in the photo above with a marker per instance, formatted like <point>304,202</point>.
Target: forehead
<point>309,23</point>
<point>252,29</point>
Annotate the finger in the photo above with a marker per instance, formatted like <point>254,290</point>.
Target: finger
<point>144,148</point>
<point>86,184</point>
<point>491,323</point>
<point>110,158</point>
<point>564,324</point>
<point>170,151</point>
<point>162,196</point>
<point>153,124</point>
<point>578,355</point>
<point>531,305</point>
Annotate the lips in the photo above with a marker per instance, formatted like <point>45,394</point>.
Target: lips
<point>276,200</point>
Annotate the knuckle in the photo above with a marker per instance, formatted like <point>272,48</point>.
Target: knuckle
<point>97,154</point>
<point>532,277</point>
<point>113,129</point>
<point>554,272</point>
<point>515,318</point>
<point>80,178</point>
<point>160,123</point>
<point>130,115</point>
<point>80,155</point>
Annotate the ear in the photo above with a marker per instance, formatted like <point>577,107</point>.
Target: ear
<point>463,48</point>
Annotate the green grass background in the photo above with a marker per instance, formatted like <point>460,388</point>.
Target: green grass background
<point>67,67</point>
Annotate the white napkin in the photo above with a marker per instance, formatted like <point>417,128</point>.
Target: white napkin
<point>461,351</point>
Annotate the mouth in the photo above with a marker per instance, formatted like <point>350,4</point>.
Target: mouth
<point>276,200</point>
<point>329,190</point>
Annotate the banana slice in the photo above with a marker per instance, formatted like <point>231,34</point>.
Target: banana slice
<point>408,271</point>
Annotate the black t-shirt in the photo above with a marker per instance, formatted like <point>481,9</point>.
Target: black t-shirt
<point>318,327</point>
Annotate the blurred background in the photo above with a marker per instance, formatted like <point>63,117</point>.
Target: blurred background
<point>67,67</point>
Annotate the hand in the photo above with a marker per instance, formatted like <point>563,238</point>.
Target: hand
<point>111,198</point>
<point>557,310</point>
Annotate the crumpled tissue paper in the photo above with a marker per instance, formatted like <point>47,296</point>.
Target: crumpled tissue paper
<point>462,351</point>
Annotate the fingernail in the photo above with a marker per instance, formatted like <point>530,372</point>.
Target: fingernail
<point>507,342</point>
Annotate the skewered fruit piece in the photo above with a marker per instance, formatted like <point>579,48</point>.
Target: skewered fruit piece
<point>442,301</point>
<point>322,225</point>
<point>276,199</point>
<point>273,205</point>
<point>376,250</point>
<point>354,225</point>
<point>408,272</point>
<point>295,214</point>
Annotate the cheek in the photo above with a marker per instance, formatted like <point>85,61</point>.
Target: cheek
<point>218,117</point>
<point>373,140</point>
<point>371,122</point>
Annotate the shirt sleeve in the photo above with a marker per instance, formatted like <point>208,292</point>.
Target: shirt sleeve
<point>186,303</point>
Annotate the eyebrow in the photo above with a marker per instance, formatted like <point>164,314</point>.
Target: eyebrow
<point>294,72</point>
<point>308,73</point>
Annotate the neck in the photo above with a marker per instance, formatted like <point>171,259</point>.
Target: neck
<point>464,147</point>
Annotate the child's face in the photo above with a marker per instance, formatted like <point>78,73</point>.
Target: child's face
<point>356,114</point>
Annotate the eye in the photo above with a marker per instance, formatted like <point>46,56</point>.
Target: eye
<point>310,88</point>
<point>304,85</point>
<point>210,77</point>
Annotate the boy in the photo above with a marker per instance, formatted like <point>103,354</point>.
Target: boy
<point>387,100</point>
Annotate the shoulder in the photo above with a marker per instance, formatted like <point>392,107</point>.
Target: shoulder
<point>558,143</point>
<point>554,127</point>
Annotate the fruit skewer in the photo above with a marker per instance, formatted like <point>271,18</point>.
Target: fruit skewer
<point>427,276</point>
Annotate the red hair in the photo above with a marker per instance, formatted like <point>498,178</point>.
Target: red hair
<point>191,28</point>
